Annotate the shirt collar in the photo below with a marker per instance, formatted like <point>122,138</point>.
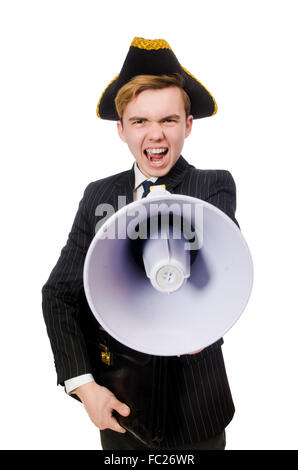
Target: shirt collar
<point>139,177</point>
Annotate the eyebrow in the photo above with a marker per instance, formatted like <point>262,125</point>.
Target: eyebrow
<point>137,118</point>
<point>140,118</point>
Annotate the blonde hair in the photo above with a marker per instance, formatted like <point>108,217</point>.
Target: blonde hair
<point>141,83</point>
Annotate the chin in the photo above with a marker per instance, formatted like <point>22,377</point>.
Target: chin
<point>162,171</point>
<point>158,172</point>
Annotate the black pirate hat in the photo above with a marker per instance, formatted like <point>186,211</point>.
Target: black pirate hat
<point>155,57</point>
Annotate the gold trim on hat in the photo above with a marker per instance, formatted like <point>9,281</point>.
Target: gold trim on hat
<point>149,44</point>
<point>97,109</point>
<point>192,76</point>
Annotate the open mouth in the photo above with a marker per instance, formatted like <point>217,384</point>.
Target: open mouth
<point>156,155</point>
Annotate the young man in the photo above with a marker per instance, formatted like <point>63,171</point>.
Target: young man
<point>175,402</point>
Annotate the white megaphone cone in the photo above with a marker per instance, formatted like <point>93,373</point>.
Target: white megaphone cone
<point>168,244</point>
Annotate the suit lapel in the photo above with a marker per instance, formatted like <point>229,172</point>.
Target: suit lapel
<point>175,175</point>
<point>124,187</point>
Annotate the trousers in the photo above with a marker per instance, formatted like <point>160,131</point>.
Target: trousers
<point>112,440</point>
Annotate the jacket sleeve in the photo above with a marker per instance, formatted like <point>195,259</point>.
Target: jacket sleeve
<point>222,193</point>
<point>60,300</point>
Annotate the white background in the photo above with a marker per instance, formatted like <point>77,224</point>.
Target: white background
<point>56,59</point>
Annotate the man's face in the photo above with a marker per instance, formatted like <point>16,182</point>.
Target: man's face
<point>154,128</point>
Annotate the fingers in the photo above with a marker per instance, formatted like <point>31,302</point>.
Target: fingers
<point>115,426</point>
<point>109,421</point>
<point>121,408</point>
<point>196,352</point>
<point>100,403</point>
<point>192,353</point>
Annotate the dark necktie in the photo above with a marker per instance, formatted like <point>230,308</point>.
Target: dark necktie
<point>146,185</point>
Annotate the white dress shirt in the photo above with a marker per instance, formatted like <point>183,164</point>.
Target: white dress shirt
<point>75,382</point>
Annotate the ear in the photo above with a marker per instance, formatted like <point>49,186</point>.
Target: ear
<point>188,126</point>
<point>121,131</point>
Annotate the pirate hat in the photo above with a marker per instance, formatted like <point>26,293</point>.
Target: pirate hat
<point>154,57</point>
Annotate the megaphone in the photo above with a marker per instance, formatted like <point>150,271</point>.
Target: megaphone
<point>168,274</point>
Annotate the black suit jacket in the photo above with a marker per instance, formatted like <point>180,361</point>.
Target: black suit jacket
<point>199,400</point>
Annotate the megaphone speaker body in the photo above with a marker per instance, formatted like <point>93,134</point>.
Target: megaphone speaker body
<point>171,305</point>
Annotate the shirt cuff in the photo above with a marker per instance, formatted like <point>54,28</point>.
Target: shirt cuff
<point>75,382</point>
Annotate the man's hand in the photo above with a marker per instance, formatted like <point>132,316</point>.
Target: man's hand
<point>196,352</point>
<point>191,353</point>
<point>99,403</point>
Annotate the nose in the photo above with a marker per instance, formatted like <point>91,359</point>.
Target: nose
<point>155,132</point>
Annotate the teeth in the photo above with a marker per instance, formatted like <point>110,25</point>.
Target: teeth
<point>156,150</point>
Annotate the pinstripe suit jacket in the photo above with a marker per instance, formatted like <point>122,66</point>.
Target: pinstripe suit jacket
<point>202,376</point>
